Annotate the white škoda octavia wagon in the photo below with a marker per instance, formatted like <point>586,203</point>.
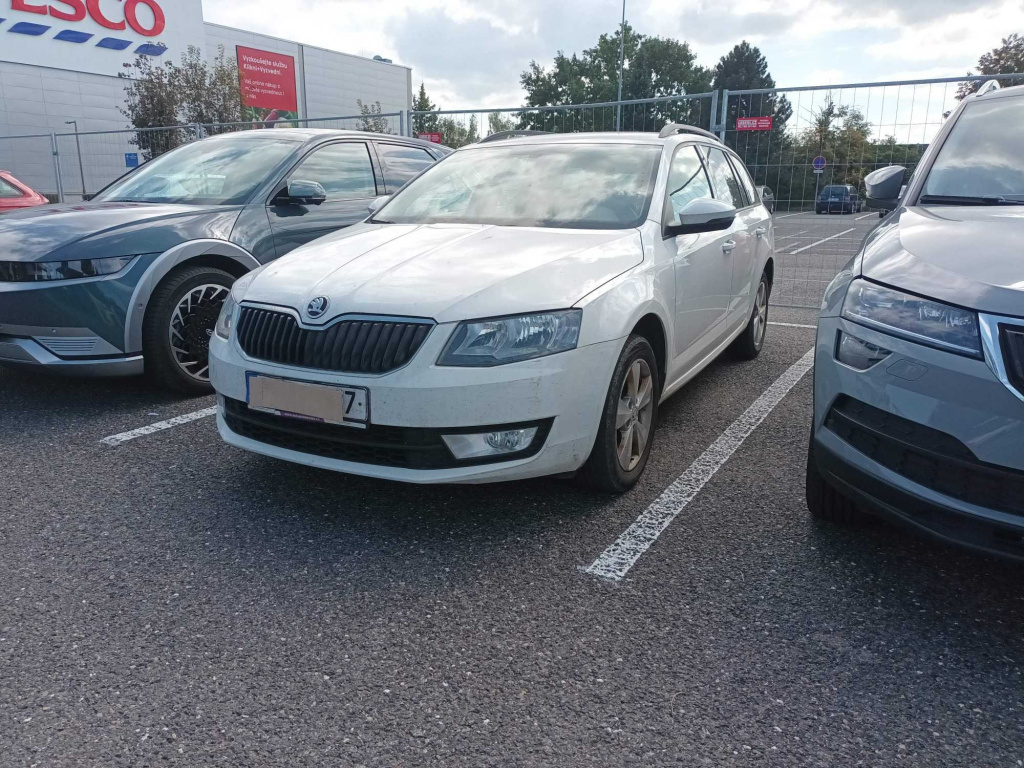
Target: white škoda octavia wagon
<point>519,309</point>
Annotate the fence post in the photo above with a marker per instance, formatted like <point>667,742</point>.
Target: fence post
<point>725,114</point>
<point>401,122</point>
<point>713,118</point>
<point>56,167</point>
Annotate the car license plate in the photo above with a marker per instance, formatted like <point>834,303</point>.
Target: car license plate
<point>324,403</point>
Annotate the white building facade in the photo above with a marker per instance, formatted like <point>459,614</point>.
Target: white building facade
<point>60,59</point>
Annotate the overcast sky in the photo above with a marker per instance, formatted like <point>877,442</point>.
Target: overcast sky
<point>470,52</point>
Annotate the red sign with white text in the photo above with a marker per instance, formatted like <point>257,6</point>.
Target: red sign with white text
<point>433,138</point>
<point>268,80</point>
<point>754,123</point>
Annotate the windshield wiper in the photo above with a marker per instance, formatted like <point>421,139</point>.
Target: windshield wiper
<point>968,200</point>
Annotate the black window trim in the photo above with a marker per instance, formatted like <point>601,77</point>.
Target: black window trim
<point>729,160</point>
<point>378,177</point>
<point>383,164</point>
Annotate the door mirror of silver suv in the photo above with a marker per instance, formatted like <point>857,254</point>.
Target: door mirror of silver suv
<point>700,215</point>
<point>302,192</point>
<point>885,187</point>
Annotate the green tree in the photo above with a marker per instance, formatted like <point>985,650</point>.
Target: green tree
<point>497,122</point>
<point>170,96</point>
<point>422,103</point>
<point>1007,59</point>
<point>655,66</point>
<point>455,133</point>
<point>372,119</point>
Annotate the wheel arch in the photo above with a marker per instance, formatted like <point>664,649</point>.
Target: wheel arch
<point>651,327</point>
<point>769,270</point>
<point>220,254</point>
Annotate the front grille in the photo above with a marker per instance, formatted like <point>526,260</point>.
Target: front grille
<point>349,346</point>
<point>926,456</point>
<point>1011,338</point>
<point>402,447</point>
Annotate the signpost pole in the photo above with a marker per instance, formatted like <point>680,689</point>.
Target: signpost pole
<point>56,167</point>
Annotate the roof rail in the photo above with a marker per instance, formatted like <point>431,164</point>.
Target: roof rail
<point>988,87</point>
<point>502,135</point>
<point>675,128</point>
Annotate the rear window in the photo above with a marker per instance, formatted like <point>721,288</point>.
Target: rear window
<point>835,191</point>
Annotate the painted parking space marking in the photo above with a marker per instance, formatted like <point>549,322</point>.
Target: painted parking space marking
<point>177,421</point>
<point>866,216</point>
<point>616,561</point>
<point>793,325</point>
<point>788,215</point>
<point>819,242</point>
<point>787,237</point>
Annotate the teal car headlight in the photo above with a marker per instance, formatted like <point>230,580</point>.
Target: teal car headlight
<point>42,271</point>
<point>924,321</point>
<point>502,340</point>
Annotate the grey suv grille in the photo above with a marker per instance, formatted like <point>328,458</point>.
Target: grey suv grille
<point>349,346</point>
<point>1011,338</point>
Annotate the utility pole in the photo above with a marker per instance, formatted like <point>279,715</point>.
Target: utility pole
<point>78,144</point>
<point>622,53</point>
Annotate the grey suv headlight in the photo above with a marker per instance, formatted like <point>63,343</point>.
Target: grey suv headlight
<point>502,340</point>
<point>39,271</point>
<point>922,320</point>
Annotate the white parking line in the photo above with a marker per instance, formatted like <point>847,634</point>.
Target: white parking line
<point>616,561</point>
<point>866,216</point>
<point>159,426</point>
<point>790,214</point>
<point>806,247</point>
<point>794,325</point>
<point>787,237</point>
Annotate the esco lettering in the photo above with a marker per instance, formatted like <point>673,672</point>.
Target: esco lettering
<point>77,10</point>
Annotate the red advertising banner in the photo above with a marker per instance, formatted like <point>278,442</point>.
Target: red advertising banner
<point>433,138</point>
<point>268,85</point>
<point>754,123</point>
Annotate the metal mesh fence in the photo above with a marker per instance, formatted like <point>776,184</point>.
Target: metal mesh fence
<point>31,160</point>
<point>458,128</point>
<point>851,130</point>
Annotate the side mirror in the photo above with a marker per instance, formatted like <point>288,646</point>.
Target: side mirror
<point>885,187</point>
<point>701,215</point>
<point>377,203</point>
<point>301,192</point>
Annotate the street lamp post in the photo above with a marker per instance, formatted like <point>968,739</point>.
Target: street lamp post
<point>78,145</point>
<point>622,53</point>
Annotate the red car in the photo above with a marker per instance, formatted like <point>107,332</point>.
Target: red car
<point>15,195</point>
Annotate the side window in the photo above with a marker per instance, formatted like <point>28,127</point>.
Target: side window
<point>8,191</point>
<point>344,170</point>
<point>402,163</point>
<point>687,180</point>
<point>727,188</point>
<point>748,186</point>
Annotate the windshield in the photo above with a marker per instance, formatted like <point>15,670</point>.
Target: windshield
<point>983,157</point>
<point>577,186</point>
<point>215,172</point>
<point>835,192</point>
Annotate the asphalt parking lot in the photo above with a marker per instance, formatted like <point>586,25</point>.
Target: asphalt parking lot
<point>165,599</point>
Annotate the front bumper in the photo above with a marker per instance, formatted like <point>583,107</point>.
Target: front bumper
<point>950,463</point>
<point>30,353</point>
<point>566,391</point>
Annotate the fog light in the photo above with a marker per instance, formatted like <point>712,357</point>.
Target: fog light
<point>859,354</point>
<point>487,444</point>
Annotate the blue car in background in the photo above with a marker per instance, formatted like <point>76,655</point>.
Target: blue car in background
<point>134,280</point>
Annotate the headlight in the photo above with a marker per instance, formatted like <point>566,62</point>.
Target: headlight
<point>921,320</point>
<point>512,339</point>
<point>33,272</point>
<point>226,318</point>
<point>227,311</point>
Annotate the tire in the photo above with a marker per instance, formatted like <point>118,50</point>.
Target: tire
<point>204,289</point>
<point>749,344</point>
<point>826,503</point>
<point>604,470</point>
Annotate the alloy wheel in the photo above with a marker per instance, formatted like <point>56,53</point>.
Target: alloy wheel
<point>634,414</point>
<point>192,324</point>
<point>760,314</point>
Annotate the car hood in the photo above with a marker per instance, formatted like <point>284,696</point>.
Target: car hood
<point>447,272</point>
<point>970,256</point>
<point>95,230</point>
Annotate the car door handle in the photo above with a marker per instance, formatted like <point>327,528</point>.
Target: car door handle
<point>760,231</point>
<point>728,246</point>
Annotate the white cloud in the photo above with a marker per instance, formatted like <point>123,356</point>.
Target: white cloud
<point>470,53</point>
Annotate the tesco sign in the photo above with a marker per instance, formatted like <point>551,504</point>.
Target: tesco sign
<point>79,10</point>
<point>98,36</point>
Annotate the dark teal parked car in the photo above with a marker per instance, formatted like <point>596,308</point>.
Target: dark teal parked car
<point>134,280</point>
